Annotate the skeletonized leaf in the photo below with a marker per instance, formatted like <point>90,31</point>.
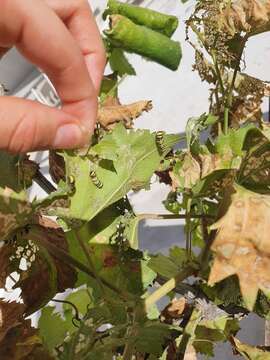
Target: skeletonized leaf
<point>242,244</point>
<point>246,15</point>
<point>15,211</point>
<point>47,275</point>
<point>6,251</point>
<point>109,115</point>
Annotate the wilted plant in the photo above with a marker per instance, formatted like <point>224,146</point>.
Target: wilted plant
<point>220,187</point>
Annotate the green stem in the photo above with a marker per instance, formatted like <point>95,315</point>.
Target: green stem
<point>172,217</point>
<point>90,262</point>
<point>205,253</point>
<point>131,334</point>
<point>36,233</point>
<point>188,227</point>
<point>226,120</point>
<point>168,286</point>
<point>218,74</point>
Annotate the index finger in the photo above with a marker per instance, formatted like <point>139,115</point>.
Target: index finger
<point>79,19</point>
<point>42,38</point>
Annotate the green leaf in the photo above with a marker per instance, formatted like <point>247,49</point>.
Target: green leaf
<point>53,328</point>
<point>125,34</point>
<point>234,141</point>
<point>108,87</point>
<point>169,266</point>
<point>151,337</point>
<point>80,299</point>
<point>164,266</point>
<point>194,128</point>
<point>120,64</point>
<point>137,159</point>
<point>9,171</point>
<point>89,341</point>
<point>166,24</point>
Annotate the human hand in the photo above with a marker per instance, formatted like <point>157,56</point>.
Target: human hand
<point>62,38</point>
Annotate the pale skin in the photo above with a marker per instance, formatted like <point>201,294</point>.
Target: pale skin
<point>60,37</point>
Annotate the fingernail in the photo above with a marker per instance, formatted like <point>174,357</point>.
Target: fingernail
<point>70,136</point>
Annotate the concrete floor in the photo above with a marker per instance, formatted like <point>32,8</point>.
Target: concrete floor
<point>176,97</point>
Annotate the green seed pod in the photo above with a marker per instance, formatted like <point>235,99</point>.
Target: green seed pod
<point>163,23</point>
<point>125,34</point>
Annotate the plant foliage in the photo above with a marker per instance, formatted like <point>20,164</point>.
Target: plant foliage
<point>83,237</point>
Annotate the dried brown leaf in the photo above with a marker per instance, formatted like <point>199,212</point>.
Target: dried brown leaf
<point>175,309</point>
<point>250,16</point>
<point>242,244</point>
<point>11,315</point>
<point>213,162</point>
<point>6,252</point>
<point>111,114</point>
<point>186,173</point>
<point>20,342</point>
<point>27,170</point>
<point>47,276</point>
<point>56,166</point>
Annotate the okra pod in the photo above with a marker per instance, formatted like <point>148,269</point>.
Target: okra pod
<point>163,23</point>
<point>141,40</point>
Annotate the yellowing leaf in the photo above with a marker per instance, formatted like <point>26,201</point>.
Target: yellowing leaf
<point>250,352</point>
<point>109,115</point>
<point>186,173</point>
<point>190,353</point>
<point>242,244</point>
<point>213,162</point>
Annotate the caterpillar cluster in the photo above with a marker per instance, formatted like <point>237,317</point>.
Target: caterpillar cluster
<point>95,180</point>
<point>160,141</point>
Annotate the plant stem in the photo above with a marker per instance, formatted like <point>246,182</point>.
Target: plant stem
<point>36,234</point>
<point>218,74</point>
<point>188,228</point>
<point>89,260</point>
<point>44,183</point>
<point>171,217</point>
<point>168,286</point>
<point>226,120</point>
<point>132,333</point>
<point>204,255</point>
<point>267,333</point>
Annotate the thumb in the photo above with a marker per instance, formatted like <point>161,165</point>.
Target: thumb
<point>26,125</point>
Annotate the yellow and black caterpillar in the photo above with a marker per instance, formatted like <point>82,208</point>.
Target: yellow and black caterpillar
<point>95,180</point>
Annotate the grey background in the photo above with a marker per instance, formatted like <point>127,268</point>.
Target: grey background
<point>176,97</point>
